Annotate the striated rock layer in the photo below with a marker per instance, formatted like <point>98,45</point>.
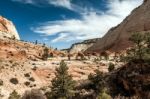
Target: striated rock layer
<point>117,38</point>
<point>82,46</point>
<point>7,29</point>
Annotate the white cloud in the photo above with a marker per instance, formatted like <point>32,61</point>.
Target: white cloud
<point>58,3</point>
<point>61,3</point>
<point>92,24</point>
<point>25,1</point>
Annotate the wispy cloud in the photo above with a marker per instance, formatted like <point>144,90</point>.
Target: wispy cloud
<point>92,24</point>
<point>59,3</point>
<point>25,1</point>
<point>62,3</point>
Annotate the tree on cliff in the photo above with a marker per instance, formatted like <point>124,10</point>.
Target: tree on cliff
<point>62,84</point>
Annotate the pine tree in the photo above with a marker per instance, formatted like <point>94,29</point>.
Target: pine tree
<point>139,41</point>
<point>147,35</point>
<point>62,84</point>
<point>141,48</point>
<point>14,95</point>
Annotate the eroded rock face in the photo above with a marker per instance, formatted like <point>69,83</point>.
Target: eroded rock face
<point>7,29</point>
<point>117,38</point>
<point>82,46</point>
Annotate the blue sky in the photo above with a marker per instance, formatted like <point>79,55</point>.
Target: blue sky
<point>60,23</point>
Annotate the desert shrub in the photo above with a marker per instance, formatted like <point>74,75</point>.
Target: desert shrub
<point>45,53</point>
<point>111,67</point>
<point>32,79</point>
<point>11,61</point>
<point>97,80</point>
<point>15,64</point>
<point>27,75</point>
<point>96,60</point>
<point>34,94</point>
<point>1,67</point>
<point>14,95</point>
<point>27,83</point>
<point>1,82</point>
<point>1,95</point>
<point>14,81</point>
<point>1,60</point>
<point>34,68</point>
<point>104,95</point>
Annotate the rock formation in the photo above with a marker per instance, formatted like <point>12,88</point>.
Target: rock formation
<point>82,46</point>
<point>7,29</point>
<point>117,38</point>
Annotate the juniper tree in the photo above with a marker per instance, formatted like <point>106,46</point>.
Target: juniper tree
<point>147,49</point>
<point>62,84</point>
<point>139,41</point>
<point>97,79</point>
<point>141,48</point>
<point>147,38</point>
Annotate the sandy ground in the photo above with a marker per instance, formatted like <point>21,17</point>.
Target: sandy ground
<point>43,74</point>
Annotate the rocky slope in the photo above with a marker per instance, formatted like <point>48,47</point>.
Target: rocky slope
<point>117,38</point>
<point>131,79</point>
<point>21,67</point>
<point>82,46</point>
<point>7,29</point>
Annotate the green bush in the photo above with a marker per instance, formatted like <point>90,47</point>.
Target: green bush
<point>32,79</point>
<point>104,95</point>
<point>14,95</point>
<point>27,75</point>
<point>14,81</point>
<point>111,67</point>
<point>97,80</point>
<point>27,83</point>
<point>1,82</point>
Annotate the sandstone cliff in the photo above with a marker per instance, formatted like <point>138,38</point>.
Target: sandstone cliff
<point>7,29</point>
<point>117,38</point>
<point>82,46</point>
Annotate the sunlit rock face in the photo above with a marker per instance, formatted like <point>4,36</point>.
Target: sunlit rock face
<point>7,29</point>
<point>82,46</point>
<point>117,38</point>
